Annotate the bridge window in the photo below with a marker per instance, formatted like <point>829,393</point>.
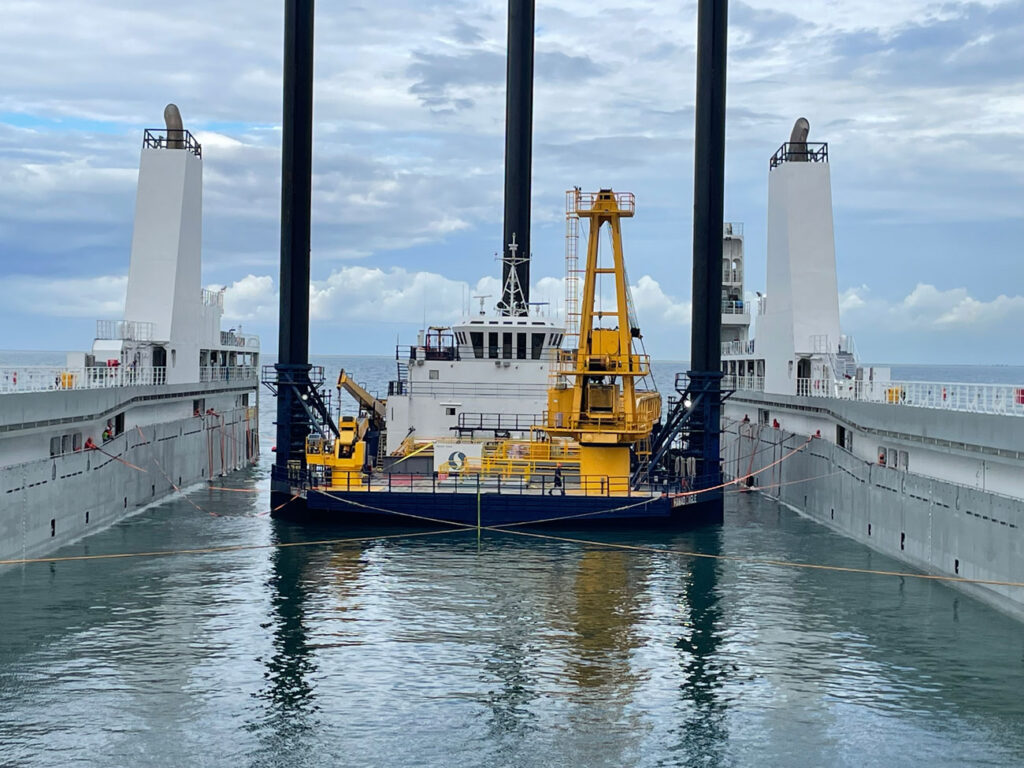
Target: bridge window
<point>477,338</point>
<point>520,346</point>
<point>506,345</point>
<point>536,345</point>
<point>55,446</point>
<point>492,344</point>
<point>904,461</point>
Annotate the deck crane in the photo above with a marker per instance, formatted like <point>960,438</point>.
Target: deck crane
<point>597,396</point>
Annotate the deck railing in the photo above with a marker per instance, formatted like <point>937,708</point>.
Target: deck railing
<point>51,378</point>
<point>131,330</point>
<point>1000,399</point>
<point>234,339</point>
<point>738,347</point>
<point>227,373</point>
<point>473,482</point>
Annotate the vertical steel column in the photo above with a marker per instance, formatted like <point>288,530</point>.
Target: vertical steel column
<point>296,189</point>
<point>518,142</point>
<point>708,202</point>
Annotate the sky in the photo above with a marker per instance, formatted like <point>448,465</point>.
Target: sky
<point>922,104</point>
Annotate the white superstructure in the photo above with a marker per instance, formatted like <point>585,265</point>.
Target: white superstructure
<point>163,399</point>
<point>929,472</point>
<point>488,374</point>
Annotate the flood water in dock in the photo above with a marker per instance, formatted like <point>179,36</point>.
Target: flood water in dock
<point>449,648</point>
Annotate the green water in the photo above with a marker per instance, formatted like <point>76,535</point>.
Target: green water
<point>439,650</point>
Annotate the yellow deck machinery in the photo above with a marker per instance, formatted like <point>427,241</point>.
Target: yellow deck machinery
<point>345,460</point>
<point>597,396</point>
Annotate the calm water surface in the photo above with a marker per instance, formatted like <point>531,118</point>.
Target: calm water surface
<point>508,651</point>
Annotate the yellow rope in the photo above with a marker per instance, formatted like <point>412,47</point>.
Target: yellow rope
<point>506,528</point>
<point>759,561</point>
<point>213,550</point>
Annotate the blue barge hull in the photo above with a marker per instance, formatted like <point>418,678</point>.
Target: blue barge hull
<point>496,509</point>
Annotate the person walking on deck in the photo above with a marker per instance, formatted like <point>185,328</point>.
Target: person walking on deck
<point>558,481</point>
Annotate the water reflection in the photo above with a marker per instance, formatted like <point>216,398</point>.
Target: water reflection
<point>289,696</point>
<point>703,734</point>
<point>603,619</point>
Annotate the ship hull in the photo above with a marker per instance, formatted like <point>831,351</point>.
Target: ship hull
<point>953,529</point>
<point>497,509</point>
<point>52,502</point>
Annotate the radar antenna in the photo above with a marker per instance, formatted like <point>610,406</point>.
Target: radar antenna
<point>481,299</point>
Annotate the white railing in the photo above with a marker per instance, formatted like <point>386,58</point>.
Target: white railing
<point>738,347</point>
<point>233,339</point>
<point>732,276</point>
<point>132,330</point>
<point>213,298</point>
<point>735,308</point>
<point>999,399</point>
<point>225,373</point>
<point>440,389</point>
<point>749,383</point>
<point>55,378</point>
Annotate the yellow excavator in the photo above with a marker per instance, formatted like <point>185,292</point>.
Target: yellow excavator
<point>598,397</point>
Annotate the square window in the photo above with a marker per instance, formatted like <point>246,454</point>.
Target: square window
<point>449,411</point>
<point>434,374</point>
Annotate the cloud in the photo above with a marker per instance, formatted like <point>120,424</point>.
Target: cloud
<point>367,295</point>
<point>920,100</point>
<point>929,308</point>
<point>98,298</point>
<point>655,307</point>
<point>251,299</point>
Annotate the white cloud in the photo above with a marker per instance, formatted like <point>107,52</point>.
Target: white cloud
<point>929,308</point>
<point>655,307</point>
<point>92,297</point>
<point>251,299</point>
<point>370,295</point>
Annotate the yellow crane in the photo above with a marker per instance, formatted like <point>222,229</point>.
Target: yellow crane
<point>596,397</point>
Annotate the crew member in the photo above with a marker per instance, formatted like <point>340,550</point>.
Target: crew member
<point>558,481</point>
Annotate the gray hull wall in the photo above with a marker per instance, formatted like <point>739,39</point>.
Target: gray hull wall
<point>934,525</point>
<point>48,503</point>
